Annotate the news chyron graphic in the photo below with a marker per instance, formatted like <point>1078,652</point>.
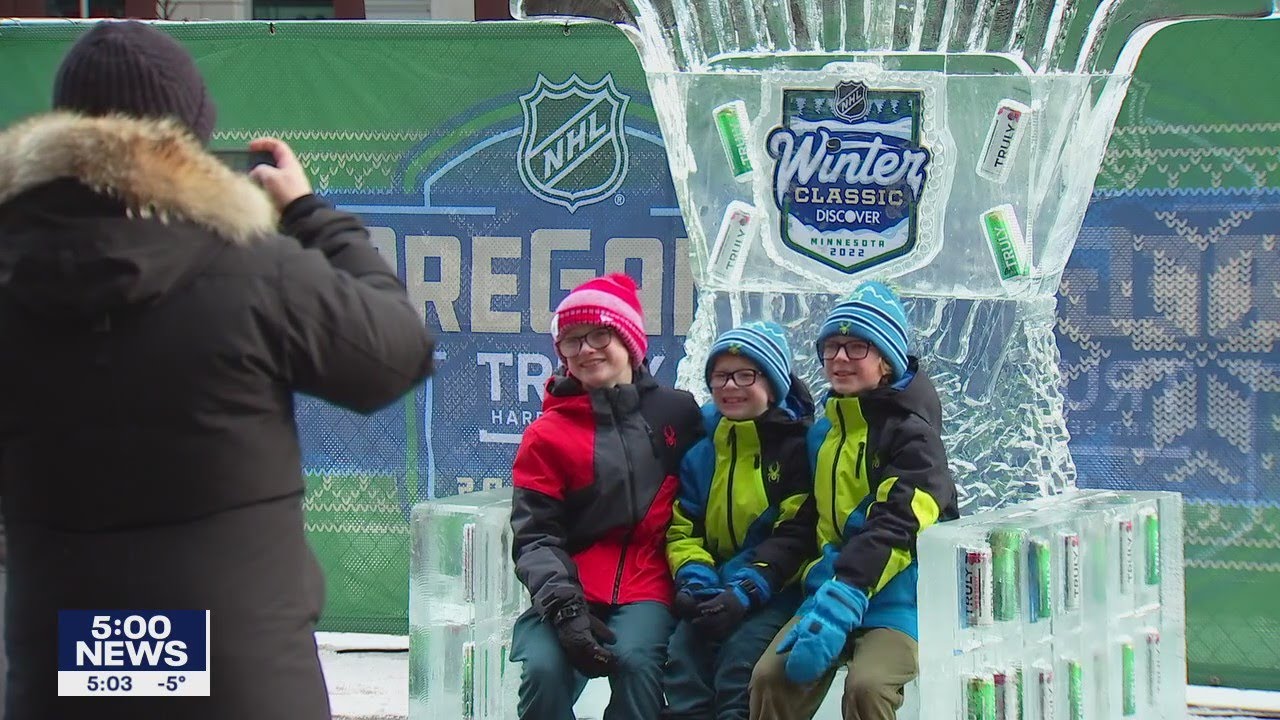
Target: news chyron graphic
<point>133,653</point>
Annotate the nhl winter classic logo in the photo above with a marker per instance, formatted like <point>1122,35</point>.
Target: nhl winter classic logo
<point>850,170</point>
<point>573,147</point>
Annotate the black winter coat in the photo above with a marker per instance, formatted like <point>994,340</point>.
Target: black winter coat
<point>153,330</point>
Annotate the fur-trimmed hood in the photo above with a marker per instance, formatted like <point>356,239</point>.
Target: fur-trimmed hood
<point>100,214</point>
<point>154,167</point>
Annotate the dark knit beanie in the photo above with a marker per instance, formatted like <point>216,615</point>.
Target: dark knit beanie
<point>133,69</point>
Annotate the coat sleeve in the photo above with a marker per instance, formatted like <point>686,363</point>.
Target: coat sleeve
<point>539,542</point>
<point>793,539</point>
<point>916,485</point>
<point>350,335</point>
<point>686,537</point>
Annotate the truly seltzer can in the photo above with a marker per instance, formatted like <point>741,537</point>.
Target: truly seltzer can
<point>1008,695</point>
<point>977,585</point>
<point>732,124</point>
<point>469,562</point>
<point>728,254</point>
<point>1071,571</point>
<point>980,698</point>
<point>1128,678</point>
<point>1125,537</point>
<point>1151,545</point>
<point>1045,684</point>
<point>1009,125</point>
<point>468,680</point>
<point>1040,567</point>
<point>1075,690</point>
<point>1153,665</point>
<point>1008,246</point>
<point>1018,680</point>
<point>1006,554</point>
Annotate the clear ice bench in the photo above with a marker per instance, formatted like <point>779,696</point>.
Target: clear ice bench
<point>1071,604</point>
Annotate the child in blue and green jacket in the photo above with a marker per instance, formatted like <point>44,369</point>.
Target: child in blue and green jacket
<point>880,479</point>
<point>733,546</point>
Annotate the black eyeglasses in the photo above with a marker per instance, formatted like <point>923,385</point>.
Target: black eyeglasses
<point>598,339</point>
<point>746,377</point>
<point>853,349</point>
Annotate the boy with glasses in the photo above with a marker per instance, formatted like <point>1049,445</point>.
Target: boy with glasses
<point>880,478</point>
<point>733,543</point>
<point>595,477</point>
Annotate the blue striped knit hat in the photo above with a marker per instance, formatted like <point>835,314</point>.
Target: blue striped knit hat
<point>763,343</point>
<point>874,313</point>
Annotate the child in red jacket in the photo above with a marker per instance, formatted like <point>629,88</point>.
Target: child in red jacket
<point>595,478</point>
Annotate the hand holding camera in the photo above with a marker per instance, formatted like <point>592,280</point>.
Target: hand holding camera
<point>285,181</point>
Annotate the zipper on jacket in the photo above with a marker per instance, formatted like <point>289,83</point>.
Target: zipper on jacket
<point>857,468</point>
<point>653,439</point>
<point>631,503</point>
<point>835,471</point>
<point>733,466</point>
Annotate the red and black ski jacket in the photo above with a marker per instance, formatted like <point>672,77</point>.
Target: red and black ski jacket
<point>595,478</point>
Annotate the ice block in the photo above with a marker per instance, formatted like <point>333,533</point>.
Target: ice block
<point>1087,621</point>
<point>463,600</point>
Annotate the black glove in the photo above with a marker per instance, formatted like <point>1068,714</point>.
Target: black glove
<point>721,615</point>
<point>686,606</point>
<point>583,636</point>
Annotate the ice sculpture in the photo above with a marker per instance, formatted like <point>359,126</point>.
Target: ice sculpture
<point>1064,607</point>
<point>946,146</point>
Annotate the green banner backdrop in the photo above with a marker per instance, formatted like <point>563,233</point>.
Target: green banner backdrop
<point>417,127</point>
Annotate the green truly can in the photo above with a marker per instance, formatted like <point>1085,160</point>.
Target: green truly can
<point>469,562</point>
<point>1151,535</point>
<point>1040,567</point>
<point>1075,690</point>
<point>1006,549</point>
<point>731,123</point>
<point>1128,678</point>
<point>980,698</point>
<point>1004,237</point>
<point>468,680</point>
<point>1017,678</point>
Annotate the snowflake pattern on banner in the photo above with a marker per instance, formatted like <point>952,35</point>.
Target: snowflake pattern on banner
<point>1168,320</point>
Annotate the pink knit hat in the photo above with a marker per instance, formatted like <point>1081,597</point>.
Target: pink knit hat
<point>611,301</point>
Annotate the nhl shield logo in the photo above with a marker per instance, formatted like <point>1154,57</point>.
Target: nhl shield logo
<point>573,148</point>
<point>851,101</point>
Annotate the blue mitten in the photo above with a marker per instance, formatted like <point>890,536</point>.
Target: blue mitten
<point>815,641</point>
<point>695,583</point>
